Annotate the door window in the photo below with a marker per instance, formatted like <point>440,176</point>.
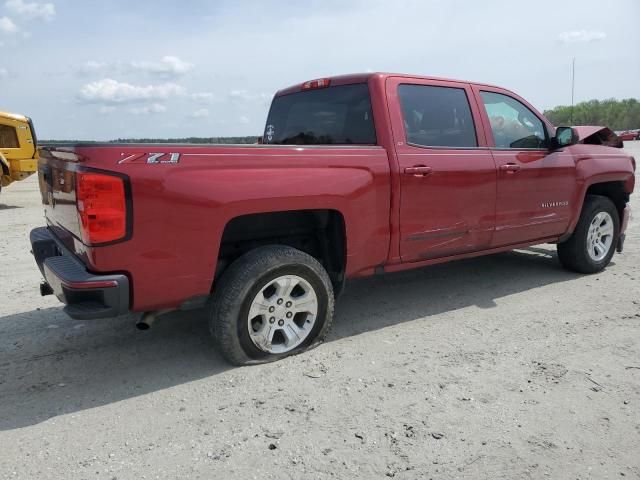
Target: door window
<point>437,116</point>
<point>513,125</point>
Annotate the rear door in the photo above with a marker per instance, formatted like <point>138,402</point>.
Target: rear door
<point>535,184</point>
<point>447,175</point>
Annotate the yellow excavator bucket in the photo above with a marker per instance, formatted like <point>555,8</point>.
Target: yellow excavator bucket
<point>18,148</point>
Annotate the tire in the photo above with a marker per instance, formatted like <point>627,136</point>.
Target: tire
<point>254,285</point>
<point>577,253</point>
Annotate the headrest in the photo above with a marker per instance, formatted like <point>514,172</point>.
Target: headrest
<point>437,117</point>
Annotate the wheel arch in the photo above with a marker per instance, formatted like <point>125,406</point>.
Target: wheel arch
<point>616,190</point>
<point>320,233</point>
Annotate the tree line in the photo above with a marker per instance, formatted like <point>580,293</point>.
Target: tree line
<point>615,114</point>
<point>194,140</point>
<point>223,140</point>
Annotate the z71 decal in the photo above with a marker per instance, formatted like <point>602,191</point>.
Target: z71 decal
<point>152,158</point>
<point>155,158</point>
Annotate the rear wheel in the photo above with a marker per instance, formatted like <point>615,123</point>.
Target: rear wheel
<point>590,248</point>
<point>272,302</point>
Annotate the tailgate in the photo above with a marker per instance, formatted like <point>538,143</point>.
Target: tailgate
<point>57,178</point>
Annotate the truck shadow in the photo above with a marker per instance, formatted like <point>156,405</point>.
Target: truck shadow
<point>382,301</point>
<point>51,365</point>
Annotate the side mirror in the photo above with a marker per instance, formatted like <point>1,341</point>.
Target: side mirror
<point>565,136</point>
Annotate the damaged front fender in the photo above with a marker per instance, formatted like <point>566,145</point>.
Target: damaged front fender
<point>594,135</point>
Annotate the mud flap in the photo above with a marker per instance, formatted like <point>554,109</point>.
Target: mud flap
<point>620,245</point>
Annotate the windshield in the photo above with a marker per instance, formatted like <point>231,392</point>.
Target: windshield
<point>328,116</point>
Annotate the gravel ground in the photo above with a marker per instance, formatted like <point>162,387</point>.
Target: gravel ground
<point>498,367</point>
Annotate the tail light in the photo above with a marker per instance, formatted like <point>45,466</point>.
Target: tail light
<point>102,207</point>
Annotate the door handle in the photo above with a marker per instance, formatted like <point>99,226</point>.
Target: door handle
<point>510,168</point>
<point>418,171</point>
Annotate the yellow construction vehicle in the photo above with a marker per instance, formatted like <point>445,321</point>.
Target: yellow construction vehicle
<point>18,148</point>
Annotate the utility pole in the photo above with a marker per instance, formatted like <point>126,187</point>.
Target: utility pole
<point>573,84</point>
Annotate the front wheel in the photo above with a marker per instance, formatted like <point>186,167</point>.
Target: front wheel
<point>272,302</point>
<point>590,248</point>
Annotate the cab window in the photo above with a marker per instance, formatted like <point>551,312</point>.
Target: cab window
<point>437,116</point>
<point>513,124</point>
<point>338,115</point>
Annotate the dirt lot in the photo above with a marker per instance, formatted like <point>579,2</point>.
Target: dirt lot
<point>499,367</point>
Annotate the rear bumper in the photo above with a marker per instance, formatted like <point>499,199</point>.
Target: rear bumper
<point>86,296</point>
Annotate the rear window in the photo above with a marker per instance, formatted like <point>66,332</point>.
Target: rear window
<point>327,116</point>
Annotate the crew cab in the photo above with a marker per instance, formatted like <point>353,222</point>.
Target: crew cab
<point>356,175</point>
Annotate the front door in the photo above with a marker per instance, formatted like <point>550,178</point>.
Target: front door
<point>535,184</point>
<point>447,175</point>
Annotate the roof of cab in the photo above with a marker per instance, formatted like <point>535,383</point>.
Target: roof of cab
<point>364,77</point>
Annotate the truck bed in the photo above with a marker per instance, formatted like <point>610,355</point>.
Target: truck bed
<point>183,196</point>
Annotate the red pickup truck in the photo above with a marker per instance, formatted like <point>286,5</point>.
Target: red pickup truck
<point>357,175</point>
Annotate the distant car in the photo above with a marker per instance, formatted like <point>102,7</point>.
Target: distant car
<point>629,135</point>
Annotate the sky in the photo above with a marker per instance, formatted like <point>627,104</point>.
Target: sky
<point>130,69</point>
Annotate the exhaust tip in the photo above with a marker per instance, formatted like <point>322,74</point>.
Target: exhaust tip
<point>148,318</point>
<point>45,289</point>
